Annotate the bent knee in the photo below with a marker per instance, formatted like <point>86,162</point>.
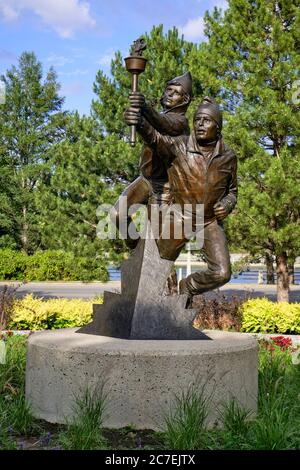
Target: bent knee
<point>222,276</point>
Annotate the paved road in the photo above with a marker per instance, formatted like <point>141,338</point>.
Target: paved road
<point>79,290</point>
<point>69,290</point>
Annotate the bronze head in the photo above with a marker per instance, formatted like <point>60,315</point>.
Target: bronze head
<point>178,92</point>
<point>208,121</point>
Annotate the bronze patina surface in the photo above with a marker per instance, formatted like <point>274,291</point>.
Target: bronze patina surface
<point>178,168</point>
<point>152,186</point>
<point>201,170</point>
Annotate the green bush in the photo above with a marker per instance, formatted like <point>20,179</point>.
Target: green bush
<point>264,316</point>
<point>31,313</point>
<point>12,264</point>
<point>50,265</point>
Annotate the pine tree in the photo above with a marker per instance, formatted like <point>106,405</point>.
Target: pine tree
<point>252,54</point>
<point>81,177</point>
<point>30,122</point>
<point>9,205</point>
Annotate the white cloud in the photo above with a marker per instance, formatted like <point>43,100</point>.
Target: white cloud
<point>8,11</point>
<point>106,59</point>
<point>216,3</point>
<point>58,60</point>
<point>74,73</point>
<point>64,16</point>
<point>193,29</point>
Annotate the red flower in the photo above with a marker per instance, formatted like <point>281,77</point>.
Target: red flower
<point>282,342</point>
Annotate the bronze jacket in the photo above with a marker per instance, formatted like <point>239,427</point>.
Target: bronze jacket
<point>193,178</point>
<point>172,122</point>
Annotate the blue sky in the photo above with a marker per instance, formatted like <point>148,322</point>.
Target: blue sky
<point>79,37</point>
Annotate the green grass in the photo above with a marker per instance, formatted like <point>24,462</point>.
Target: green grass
<point>276,425</point>
<point>185,424</point>
<point>278,422</point>
<point>85,430</point>
<point>15,414</point>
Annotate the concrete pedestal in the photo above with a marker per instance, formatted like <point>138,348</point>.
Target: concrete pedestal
<point>141,376</point>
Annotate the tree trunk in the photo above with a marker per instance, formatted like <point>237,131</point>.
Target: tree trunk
<point>291,271</point>
<point>282,278</point>
<point>270,268</point>
<point>24,232</point>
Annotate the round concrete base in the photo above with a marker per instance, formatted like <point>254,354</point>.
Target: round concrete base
<point>142,377</point>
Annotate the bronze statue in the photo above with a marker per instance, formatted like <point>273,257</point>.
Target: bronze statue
<point>201,170</point>
<point>177,169</point>
<point>152,186</point>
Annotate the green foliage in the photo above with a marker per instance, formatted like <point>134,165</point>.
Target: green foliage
<point>12,264</point>
<point>30,122</point>
<point>15,413</point>
<point>264,316</point>
<point>253,58</point>
<point>237,424</point>
<point>31,313</point>
<point>277,424</point>
<point>85,431</point>
<point>185,424</point>
<point>242,264</point>
<point>82,175</point>
<point>50,265</point>
<point>7,301</point>
<point>12,377</point>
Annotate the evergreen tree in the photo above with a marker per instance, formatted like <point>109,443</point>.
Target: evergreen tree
<point>252,55</point>
<point>81,176</point>
<point>9,205</point>
<point>30,122</point>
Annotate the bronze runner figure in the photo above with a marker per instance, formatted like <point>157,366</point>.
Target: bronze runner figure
<point>153,186</point>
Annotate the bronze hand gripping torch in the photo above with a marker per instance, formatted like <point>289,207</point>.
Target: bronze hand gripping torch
<point>135,64</point>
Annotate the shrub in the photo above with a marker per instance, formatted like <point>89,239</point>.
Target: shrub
<point>264,316</point>
<point>218,313</point>
<point>32,313</point>
<point>50,265</point>
<point>12,264</point>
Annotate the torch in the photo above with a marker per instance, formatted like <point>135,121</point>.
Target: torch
<point>135,64</point>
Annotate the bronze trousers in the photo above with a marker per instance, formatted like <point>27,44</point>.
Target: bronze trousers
<point>216,255</point>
